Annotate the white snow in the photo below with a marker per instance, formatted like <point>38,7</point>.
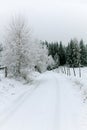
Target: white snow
<point>52,102</point>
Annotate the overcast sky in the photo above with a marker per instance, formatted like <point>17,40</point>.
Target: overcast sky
<point>51,20</point>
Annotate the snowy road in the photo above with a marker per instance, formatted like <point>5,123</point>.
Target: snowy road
<point>54,105</point>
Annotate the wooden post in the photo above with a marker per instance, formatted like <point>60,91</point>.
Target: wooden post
<point>74,71</point>
<point>64,70</point>
<point>79,71</point>
<point>5,71</point>
<point>69,71</point>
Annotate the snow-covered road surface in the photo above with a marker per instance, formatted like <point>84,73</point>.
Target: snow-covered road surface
<point>54,105</point>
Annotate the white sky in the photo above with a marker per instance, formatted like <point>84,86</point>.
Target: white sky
<point>51,20</point>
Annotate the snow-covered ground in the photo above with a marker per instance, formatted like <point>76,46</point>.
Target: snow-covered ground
<point>53,101</point>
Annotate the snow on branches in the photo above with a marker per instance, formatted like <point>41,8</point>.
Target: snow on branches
<point>20,51</point>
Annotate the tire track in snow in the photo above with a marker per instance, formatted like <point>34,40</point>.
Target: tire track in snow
<point>68,105</point>
<point>38,113</point>
<point>16,104</point>
<point>53,106</point>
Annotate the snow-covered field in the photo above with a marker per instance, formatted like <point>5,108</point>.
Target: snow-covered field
<point>53,101</point>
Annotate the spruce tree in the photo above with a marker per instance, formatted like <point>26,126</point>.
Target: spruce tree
<point>73,54</point>
<point>62,56</point>
<point>83,53</point>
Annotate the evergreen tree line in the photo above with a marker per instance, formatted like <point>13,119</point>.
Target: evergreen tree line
<point>72,55</point>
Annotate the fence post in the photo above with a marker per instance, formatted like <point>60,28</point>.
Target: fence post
<point>64,70</point>
<point>74,71</point>
<point>79,71</point>
<point>5,71</point>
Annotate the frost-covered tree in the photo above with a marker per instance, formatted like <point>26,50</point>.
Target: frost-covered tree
<point>17,46</point>
<point>42,60</point>
<point>56,59</point>
<point>21,52</point>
